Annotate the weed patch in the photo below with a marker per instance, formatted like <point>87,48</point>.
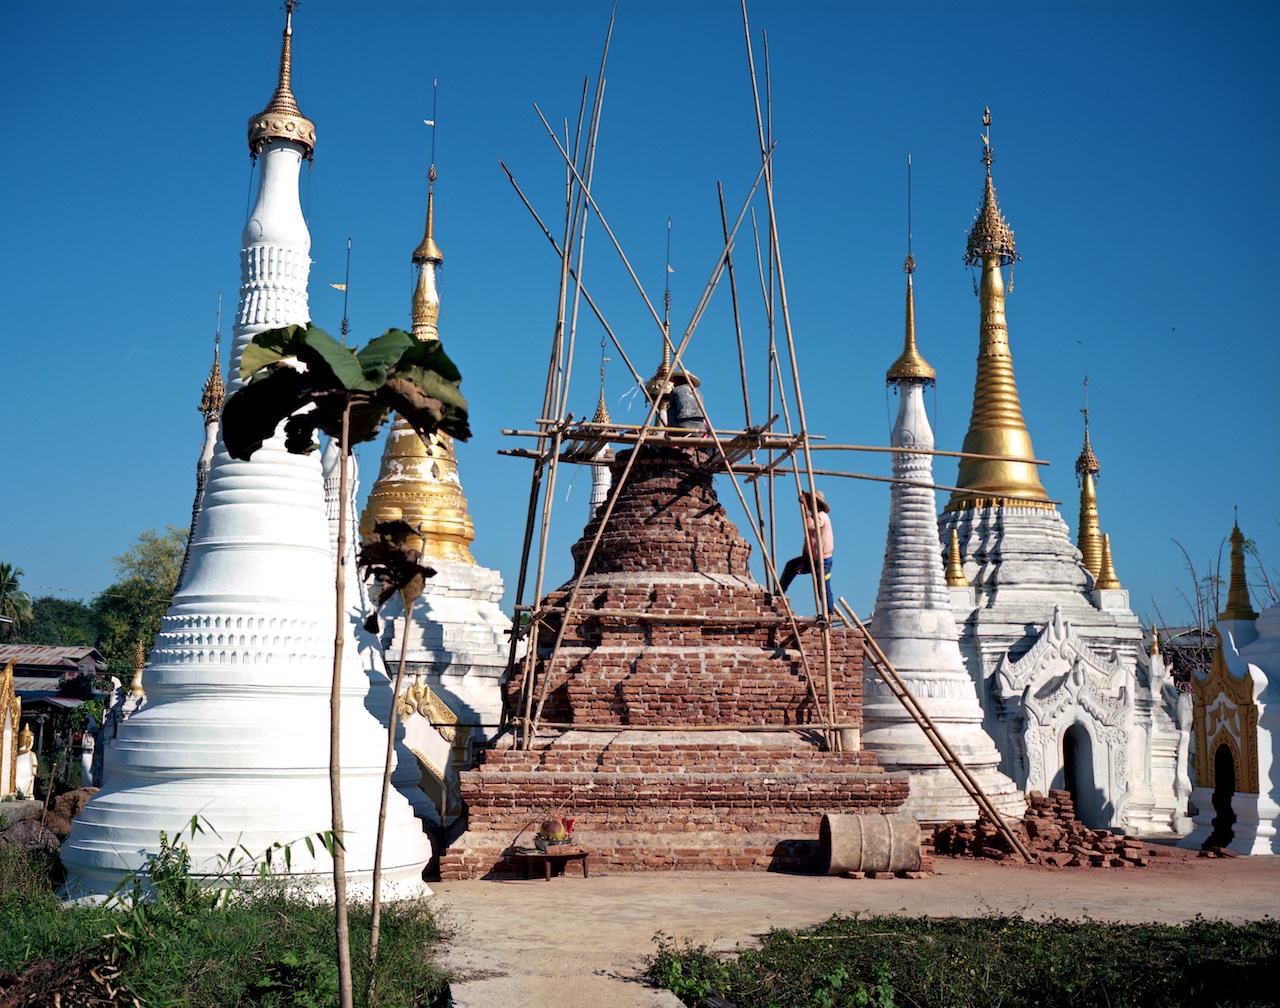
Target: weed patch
<point>1008,962</point>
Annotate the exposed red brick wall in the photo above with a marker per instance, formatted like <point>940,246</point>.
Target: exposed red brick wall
<point>672,798</point>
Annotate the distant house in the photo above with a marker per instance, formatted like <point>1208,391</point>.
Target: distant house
<point>55,677</point>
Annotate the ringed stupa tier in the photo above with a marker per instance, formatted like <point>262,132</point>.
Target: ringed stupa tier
<point>1070,697</point>
<point>681,730</point>
<point>235,731</point>
<point>458,637</point>
<point>916,629</point>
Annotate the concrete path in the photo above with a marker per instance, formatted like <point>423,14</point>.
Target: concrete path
<point>580,943</point>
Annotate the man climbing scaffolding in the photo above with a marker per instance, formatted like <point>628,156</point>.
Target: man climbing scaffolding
<point>819,542</point>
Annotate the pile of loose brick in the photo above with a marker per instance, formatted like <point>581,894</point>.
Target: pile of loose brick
<point>1053,835</point>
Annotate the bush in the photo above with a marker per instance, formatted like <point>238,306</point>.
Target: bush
<point>993,961</point>
<point>177,943</point>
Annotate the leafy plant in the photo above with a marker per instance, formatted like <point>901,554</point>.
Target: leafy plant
<point>296,366</point>
<point>300,380</point>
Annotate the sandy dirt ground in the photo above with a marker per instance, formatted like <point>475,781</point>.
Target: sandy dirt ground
<point>574,942</point>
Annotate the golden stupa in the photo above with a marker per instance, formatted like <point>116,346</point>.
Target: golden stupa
<point>996,426</point>
<point>418,482</point>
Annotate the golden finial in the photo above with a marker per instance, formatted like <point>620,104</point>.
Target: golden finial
<point>214,390</point>
<point>282,119</point>
<point>602,408</point>
<point>1089,533</point>
<point>1087,462</point>
<point>428,251</point>
<point>1238,606</point>
<point>955,566</point>
<point>990,234</point>
<point>996,426</point>
<point>1107,574</point>
<point>664,381</point>
<point>426,300</point>
<point>139,661</point>
<point>418,482</point>
<point>910,366</point>
<point>1155,640</point>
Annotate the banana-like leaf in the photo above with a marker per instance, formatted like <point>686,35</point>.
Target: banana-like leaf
<point>297,366</point>
<point>430,356</point>
<point>340,361</point>
<point>252,414</point>
<point>383,354</point>
<point>269,347</point>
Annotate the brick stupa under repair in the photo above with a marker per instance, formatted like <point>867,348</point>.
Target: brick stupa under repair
<point>718,760</point>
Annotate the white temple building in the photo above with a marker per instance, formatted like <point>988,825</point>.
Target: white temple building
<point>1070,696</point>
<point>915,628</point>
<point>457,639</point>
<point>235,730</point>
<point>1237,727</point>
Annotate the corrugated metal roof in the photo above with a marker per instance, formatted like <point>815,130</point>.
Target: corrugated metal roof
<point>27,685</point>
<point>46,656</point>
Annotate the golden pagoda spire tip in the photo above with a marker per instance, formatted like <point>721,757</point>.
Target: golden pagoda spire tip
<point>910,365</point>
<point>1238,605</point>
<point>282,119</point>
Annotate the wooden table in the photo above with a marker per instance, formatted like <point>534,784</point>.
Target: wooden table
<point>558,857</point>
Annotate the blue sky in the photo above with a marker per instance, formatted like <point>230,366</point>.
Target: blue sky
<point>1135,148</point>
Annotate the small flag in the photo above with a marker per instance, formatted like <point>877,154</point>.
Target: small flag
<point>429,122</point>
<point>670,269</point>
<point>340,287</point>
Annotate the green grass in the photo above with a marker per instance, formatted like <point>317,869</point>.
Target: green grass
<point>271,948</point>
<point>897,962</point>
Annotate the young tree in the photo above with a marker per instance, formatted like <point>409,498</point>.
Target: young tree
<point>130,610</point>
<point>351,393</point>
<point>15,604</point>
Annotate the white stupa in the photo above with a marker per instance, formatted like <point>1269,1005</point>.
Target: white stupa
<point>235,731</point>
<point>1070,697</point>
<point>915,627</point>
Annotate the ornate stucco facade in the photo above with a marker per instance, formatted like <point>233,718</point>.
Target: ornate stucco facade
<point>1070,696</point>
<point>235,730</point>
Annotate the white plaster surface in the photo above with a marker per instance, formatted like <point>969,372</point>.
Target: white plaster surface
<point>915,628</point>
<point>235,732</point>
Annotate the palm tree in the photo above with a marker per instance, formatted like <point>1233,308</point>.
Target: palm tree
<point>15,604</point>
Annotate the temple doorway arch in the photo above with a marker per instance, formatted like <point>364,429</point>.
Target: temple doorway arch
<point>1224,788</point>
<point>1079,778</point>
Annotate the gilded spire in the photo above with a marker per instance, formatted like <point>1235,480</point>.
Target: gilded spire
<point>602,409</point>
<point>214,390</point>
<point>996,426</point>
<point>1238,606</point>
<point>910,366</point>
<point>1155,640</point>
<point>1107,571</point>
<point>282,119</point>
<point>990,235</point>
<point>1089,533</point>
<point>955,566</point>
<point>419,482</point>
<point>426,299</point>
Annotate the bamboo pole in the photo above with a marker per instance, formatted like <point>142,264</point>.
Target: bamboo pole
<point>899,688</point>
